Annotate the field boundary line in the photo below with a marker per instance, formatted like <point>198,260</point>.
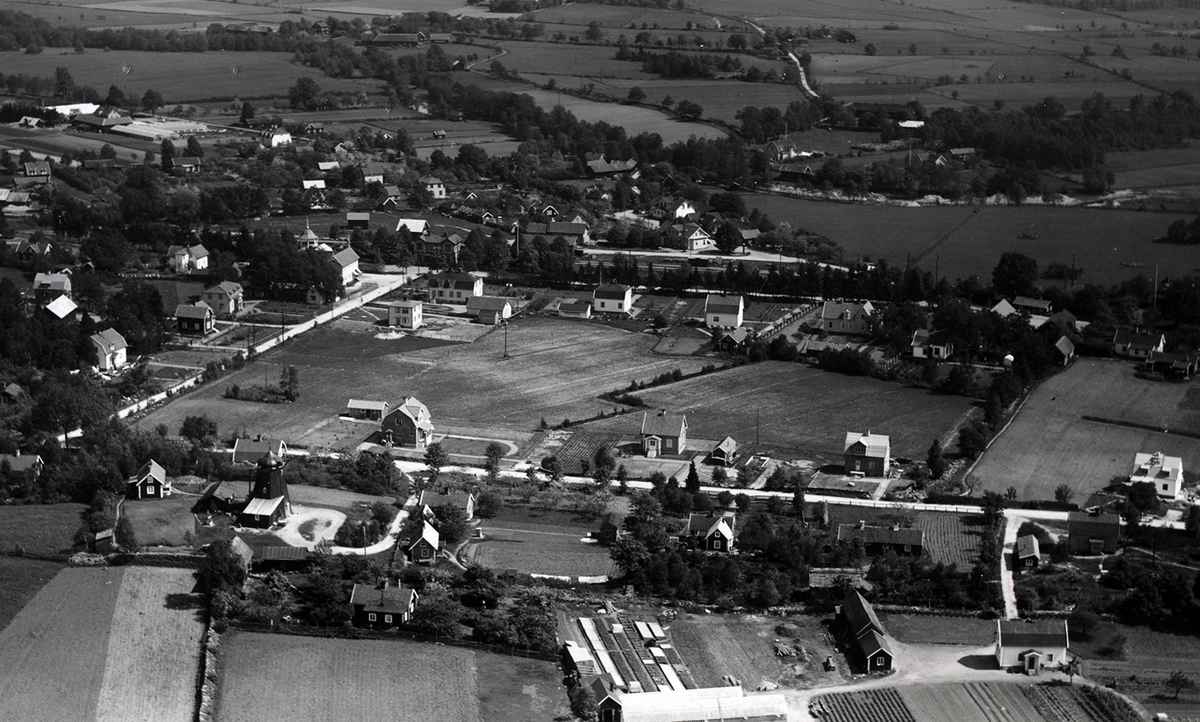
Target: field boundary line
<point>945,237</point>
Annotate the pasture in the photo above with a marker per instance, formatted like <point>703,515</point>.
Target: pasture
<point>1110,245</point>
<point>34,538</point>
<point>270,676</point>
<point>532,546</point>
<point>162,522</point>
<point>936,629</point>
<point>800,409</point>
<point>554,371</point>
<point>1050,443</point>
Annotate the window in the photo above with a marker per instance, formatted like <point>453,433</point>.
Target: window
<point>387,618</point>
<point>150,490</point>
<point>716,319</point>
<point>371,617</point>
<point>1164,487</point>
<point>908,547</point>
<point>716,544</point>
<point>880,661</point>
<point>1049,659</point>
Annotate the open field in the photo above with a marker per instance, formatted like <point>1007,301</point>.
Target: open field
<point>156,631</point>
<point>961,242</point>
<point>555,370</point>
<point>934,629</point>
<point>55,650</point>
<point>43,531</point>
<point>1142,670</point>
<point>540,543</point>
<point>162,522</point>
<point>1049,443</point>
<point>259,74</point>
<point>799,408</point>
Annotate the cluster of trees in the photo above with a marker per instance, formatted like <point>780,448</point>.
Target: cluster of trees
<point>673,64</point>
<point>759,125</point>
<point>366,473</point>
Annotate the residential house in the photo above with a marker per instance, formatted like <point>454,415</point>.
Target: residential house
<point>346,261</point>
<point>185,259</point>
<point>195,319</point>
<point>455,288</point>
<point>1066,350</point>
<point>726,311</point>
<point>199,257</point>
<point>440,250</point>
<point>373,173</point>
<point>463,500</point>
<point>110,349</point>
<point>1033,306</point>
<point>417,227</point>
<point>150,482</point>
<point>575,234</point>
<point>424,549</point>
<point>711,532</point>
<point>434,187</point>
<point>877,540</point>
<point>225,299</point>
<point>13,393</point>
<point>1174,365</point>
<point>408,424</point>
<point>1004,309</point>
<point>863,631</point>
<point>26,248</point>
<point>1164,472</point>
<point>269,502</point>
<point>1138,344</point>
<point>284,559</point>
<point>663,434</point>
<point>405,314</point>
<point>782,150</point>
<point>850,319</point>
<point>1093,534</point>
<point>37,169</point>
<point>707,704</point>
<point>188,164</point>
<point>1028,554</point>
<point>612,298</point>
<point>612,528</point>
<point>382,607</point>
<point>725,452</point>
<point>317,184</point>
<point>575,308</point>
<point>28,465</point>
<point>489,310</point>
<point>49,286</point>
<point>598,165</point>
<point>1031,646</point>
<point>367,409</point>
<point>328,165</point>
<point>673,209</point>
<point>252,451</point>
<point>689,237</point>
<point>358,219</point>
<point>925,345</point>
<point>390,196</point>
<point>736,341</point>
<point>867,454</point>
<point>276,137</point>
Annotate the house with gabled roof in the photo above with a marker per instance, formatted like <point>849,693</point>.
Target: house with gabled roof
<point>847,318</point>
<point>454,287</point>
<point>251,451</point>
<point>575,308</point>
<point>612,528</point>
<point>612,298</point>
<point>424,549</point>
<point>227,298</point>
<point>689,237</point>
<point>725,452</point>
<point>865,633</point>
<point>726,311</point>
<point>37,169</point>
<point>434,186</point>
<point>30,465</point>
<point>663,433</point>
<point>49,286</point>
<point>186,164</point>
<point>419,228</point>
<point>489,310</point>
<point>1093,533</point>
<point>382,607</point>
<point>1164,472</point>
<point>711,532</point>
<point>1032,645</point>
<point>867,454</point>
<point>1066,350</point>
<point>1138,344</point>
<point>877,540</point>
<point>150,482</point>
<point>62,307</point>
<point>346,261</point>
<point>269,501</point>
<point>195,319</point>
<point>463,500</point>
<point>408,424</point>
<point>441,249</point>
<point>1033,306</point>
<point>1027,553</point>
<point>736,341</point>
<point>110,349</point>
<point>926,344</point>
<point>707,704</point>
<point>367,409</point>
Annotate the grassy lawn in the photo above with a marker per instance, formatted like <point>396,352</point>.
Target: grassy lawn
<point>540,541</point>
<point>162,522</point>
<point>929,629</point>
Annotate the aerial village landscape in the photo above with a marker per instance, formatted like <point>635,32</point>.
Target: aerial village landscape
<point>655,361</point>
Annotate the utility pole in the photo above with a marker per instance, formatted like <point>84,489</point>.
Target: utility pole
<point>504,323</point>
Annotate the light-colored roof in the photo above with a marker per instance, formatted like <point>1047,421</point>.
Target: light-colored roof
<point>198,310</point>
<point>708,524</point>
<point>663,424</point>
<point>52,281</point>
<point>242,550</point>
<point>263,507</point>
<point>229,288</point>
<point>488,303</point>
<point>367,405</point>
<point>109,339</point>
<point>251,450</point>
<point>415,410</point>
<point>1156,466</point>
<point>1027,546</point>
<point>1065,346</point>
<point>1004,308</point>
<point>446,498</point>
<point>723,304</point>
<point>877,445</point>
<point>152,469</point>
<point>712,703</point>
<point>198,251</point>
<point>728,445</point>
<point>346,257</point>
<point>429,534</point>
<point>62,307</point>
<point>414,225</point>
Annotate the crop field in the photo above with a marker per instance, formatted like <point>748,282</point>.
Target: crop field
<point>175,75</point>
<point>799,408</point>
<point>971,702</point>
<point>1156,168</point>
<point>55,650</point>
<point>930,629</point>
<point>871,705</point>
<point>555,370</point>
<point>721,99</point>
<point>1149,659</point>
<point>44,532</point>
<point>1050,443</point>
<point>1109,245</point>
<point>583,445</point>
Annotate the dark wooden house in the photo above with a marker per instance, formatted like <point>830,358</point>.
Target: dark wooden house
<point>1093,533</point>
<point>878,540</point>
<point>382,607</point>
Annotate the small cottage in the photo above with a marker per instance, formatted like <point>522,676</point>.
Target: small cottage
<point>382,607</point>
<point>150,482</point>
<point>1028,553</point>
<point>424,549</point>
<point>663,433</point>
<point>1032,646</point>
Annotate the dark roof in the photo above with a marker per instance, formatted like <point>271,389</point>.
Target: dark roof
<point>446,498</point>
<point>611,291</point>
<point>663,424</point>
<point>860,614</point>
<point>395,600</point>
<point>722,304</point>
<point>706,523</point>
<point>488,303</point>
<point>1079,522</point>
<point>21,462</point>
<point>1137,339</point>
<point>613,519</point>
<point>199,311</point>
<point>881,535</point>
<point>872,643</point>
<point>1041,633</point>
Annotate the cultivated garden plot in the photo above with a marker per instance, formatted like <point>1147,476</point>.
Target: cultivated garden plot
<point>972,702</point>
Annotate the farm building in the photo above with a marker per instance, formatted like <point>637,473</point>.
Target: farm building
<point>284,559</point>
<point>489,310</point>
<point>878,540</point>
<point>865,633</point>
<point>924,345</point>
<point>1066,350</point>
<point>724,452</point>
<point>723,311</point>
<point>612,528</point>
<point>454,287</point>
<point>226,298</point>
<point>1137,344</point>
<point>1093,533</point>
<point>269,502</point>
<point>1174,365</point>
<point>101,542</point>
<point>29,464</point>
<point>686,705</point>
<point>1032,646</point>
<point>408,424</point>
<point>408,315</point>
<point>110,349</point>
<point>382,607</point>
<point>186,164</point>
<point>49,286</point>
<point>612,298</point>
<point>867,454</point>
<point>365,409</point>
<point>850,319</point>
<point>575,308</point>
<point>663,433</point>
<point>251,451</point>
<point>464,500</point>
<point>598,165</point>
<point>578,659</point>
<point>1028,553</point>
<point>711,532</point>
<point>150,482</point>
<point>358,219</point>
<point>736,341</point>
<point>1165,472</point>
<point>1033,306</point>
<point>575,234</point>
<point>196,319</point>
<point>425,548</point>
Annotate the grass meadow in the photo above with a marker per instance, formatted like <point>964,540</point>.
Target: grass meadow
<point>44,535</point>
<point>540,543</point>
